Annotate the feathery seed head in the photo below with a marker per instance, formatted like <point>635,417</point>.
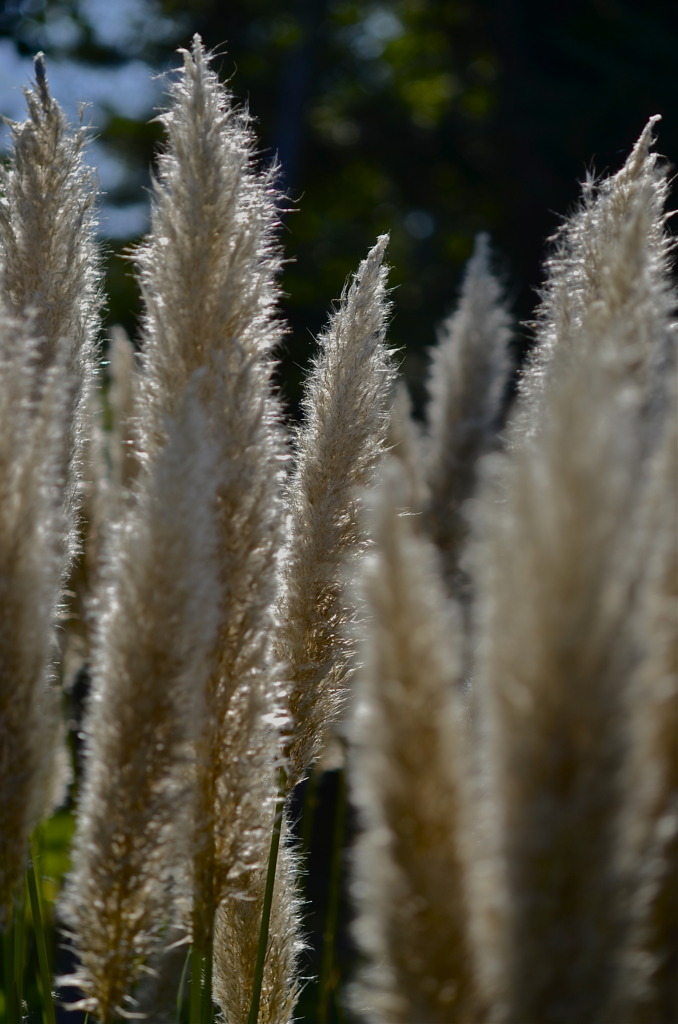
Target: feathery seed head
<point>467,379</point>
<point>558,527</point>
<point>48,257</point>
<point>346,409</point>
<point>406,443</point>
<point>156,630</point>
<point>609,280</point>
<point>33,408</point>
<point>410,780</point>
<point>49,262</point>
<point>208,276</point>
<point>208,269</point>
<point>237,937</point>
<point>648,838</point>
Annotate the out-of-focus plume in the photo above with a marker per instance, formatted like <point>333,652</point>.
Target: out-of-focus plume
<point>410,778</point>
<point>467,379</point>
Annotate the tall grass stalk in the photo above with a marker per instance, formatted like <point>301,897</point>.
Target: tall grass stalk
<point>201,1007</point>
<point>210,302</point>
<point>261,922</point>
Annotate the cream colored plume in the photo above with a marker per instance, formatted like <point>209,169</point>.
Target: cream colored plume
<point>49,261</point>
<point>406,443</point>
<point>609,279</point>
<point>561,548</point>
<point>154,637</point>
<point>236,941</point>
<point>208,276</point>
<point>343,435</point>
<point>559,557</point>
<point>648,841</point>
<point>411,782</point>
<point>466,384</point>
<point>208,269</point>
<point>33,417</point>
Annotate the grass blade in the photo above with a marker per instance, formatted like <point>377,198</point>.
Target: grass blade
<point>182,985</point>
<point>268,898</point>
<point>48,1013</point>
<point>13,949</point>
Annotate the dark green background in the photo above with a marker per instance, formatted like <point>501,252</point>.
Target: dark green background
<point>468,116</point>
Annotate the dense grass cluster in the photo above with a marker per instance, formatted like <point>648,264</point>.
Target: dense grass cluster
<point>479,615</point>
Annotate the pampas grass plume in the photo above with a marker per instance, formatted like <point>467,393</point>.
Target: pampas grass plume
<point>49,262</point>
<point>648,843</point>
<point>236,939</point>
<point>345,406</point>
<point>562,530</point>
<point>208,270</point>
<point>33,417</point>
<point>406,443</point>
<point>410,779</point>
<point>554,669</point>
<point>208,276</point>
<point>609,280</point>
<point>467,378</point>
<point>157,627</point>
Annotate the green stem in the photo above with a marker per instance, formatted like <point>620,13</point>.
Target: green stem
<point>182,984</point>
<point>207,1007</point>
<point>48,1013</point>
<point>268,898</point>
<point>201,1007</point>
<point>327,982</point>
<point>20,950</point>
<point>195,994</point>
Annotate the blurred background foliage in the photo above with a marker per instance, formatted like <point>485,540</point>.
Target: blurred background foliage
<point>431,119</point>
